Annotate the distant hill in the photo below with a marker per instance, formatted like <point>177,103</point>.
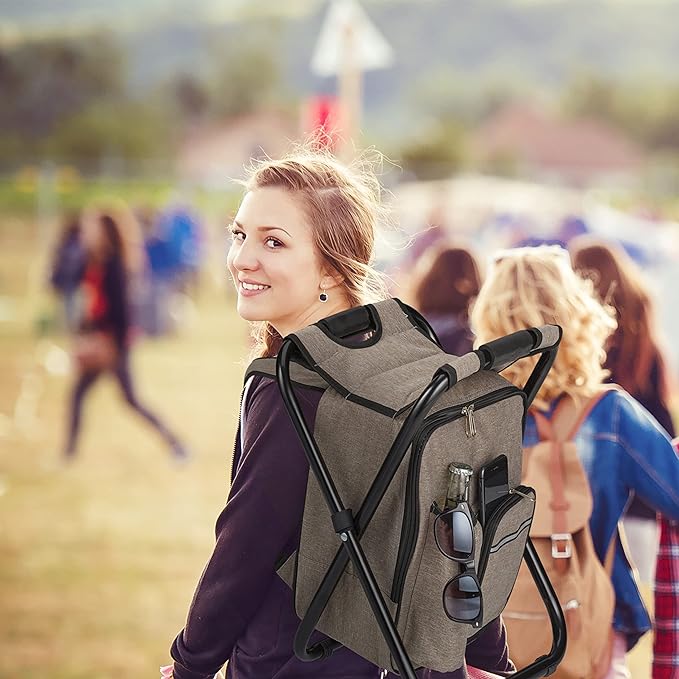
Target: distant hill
<point>445,48</point>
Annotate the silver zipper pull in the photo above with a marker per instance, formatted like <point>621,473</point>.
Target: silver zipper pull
<point>470,424</point>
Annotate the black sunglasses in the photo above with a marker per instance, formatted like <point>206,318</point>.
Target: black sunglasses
<point>454,534</point>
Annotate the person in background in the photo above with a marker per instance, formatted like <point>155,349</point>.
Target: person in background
<point>154,308</point>
<point>636,362</point>
<point>113,254</point>
<point>621,446</point>
<point>68,267</point>
<point>666,639</point>
<point>435,231</point>
<point>446,281</point>
<point>302,250</point>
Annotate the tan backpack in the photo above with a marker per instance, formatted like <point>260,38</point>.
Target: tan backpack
<point>562,538</point>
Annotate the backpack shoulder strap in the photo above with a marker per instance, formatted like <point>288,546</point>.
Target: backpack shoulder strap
<point>561,427</point>
<point>557,431</point>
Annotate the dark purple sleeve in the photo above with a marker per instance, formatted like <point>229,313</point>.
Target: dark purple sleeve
<point>259,525</point>
<point>489,650</point>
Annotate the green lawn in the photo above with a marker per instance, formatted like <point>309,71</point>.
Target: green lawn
<point>98,561</point>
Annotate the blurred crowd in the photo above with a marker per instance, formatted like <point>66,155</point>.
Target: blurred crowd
<point>168,250</point>
<point>118,273</point>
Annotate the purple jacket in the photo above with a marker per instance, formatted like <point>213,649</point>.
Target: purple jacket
<point>242,611</point>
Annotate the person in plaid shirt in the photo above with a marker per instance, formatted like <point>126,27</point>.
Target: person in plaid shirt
<point>666,641</point>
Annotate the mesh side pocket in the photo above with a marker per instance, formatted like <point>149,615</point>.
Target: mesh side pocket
<point>504,542</point>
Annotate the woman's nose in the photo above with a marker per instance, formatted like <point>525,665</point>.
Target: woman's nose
<point>244,257</point>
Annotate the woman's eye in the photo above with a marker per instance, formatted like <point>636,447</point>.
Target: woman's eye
<point>237,235</point>
<point>275,243</point>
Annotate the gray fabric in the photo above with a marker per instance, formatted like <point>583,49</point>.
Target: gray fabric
<point>392,372</point>
<point>465,365</point>
<point>353,456</point>
<point>354,441</point>
<point>432,639</point>
<point>505,558</point>
<point>298,374</point>
<point>350,455</point>
<point>550,336</point>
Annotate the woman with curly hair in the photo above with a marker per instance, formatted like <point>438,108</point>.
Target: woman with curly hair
<point>622,448</point>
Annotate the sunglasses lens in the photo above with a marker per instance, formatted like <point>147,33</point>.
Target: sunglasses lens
<point>455,535</point>
<point>462,598</point>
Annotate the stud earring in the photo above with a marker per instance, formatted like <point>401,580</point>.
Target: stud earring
<point>323,296</point>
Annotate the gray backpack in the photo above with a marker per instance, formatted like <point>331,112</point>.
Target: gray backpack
<point>401,571</point>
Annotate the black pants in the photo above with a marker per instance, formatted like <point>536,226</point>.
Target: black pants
<point>122,373</point>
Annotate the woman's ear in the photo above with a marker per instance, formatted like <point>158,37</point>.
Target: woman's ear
<point>331,280</point>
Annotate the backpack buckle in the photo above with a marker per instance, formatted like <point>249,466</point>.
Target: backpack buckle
<point>567,550</point>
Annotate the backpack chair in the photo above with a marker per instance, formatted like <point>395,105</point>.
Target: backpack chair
<point>563,540</point>
<point>401,572</point>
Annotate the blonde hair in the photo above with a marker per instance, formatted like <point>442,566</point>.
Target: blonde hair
<point>342,204</point>
<point>537,286</point>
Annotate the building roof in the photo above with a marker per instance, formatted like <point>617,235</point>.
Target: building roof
<point>578,150</point>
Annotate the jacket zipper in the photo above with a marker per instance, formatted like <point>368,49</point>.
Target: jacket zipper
<point>238,436</point>
<point>410,524</point>
<point>494,521</point>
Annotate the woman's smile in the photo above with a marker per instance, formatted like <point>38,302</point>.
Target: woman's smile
<point>251,289</point>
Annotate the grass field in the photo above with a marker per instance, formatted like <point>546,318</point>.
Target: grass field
<point>98,561</point>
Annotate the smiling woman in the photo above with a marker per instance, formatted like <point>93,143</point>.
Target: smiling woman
<point>275,264</point>
<point>303,242</point>
<point>302,250</point>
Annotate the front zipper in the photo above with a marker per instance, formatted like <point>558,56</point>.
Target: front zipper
<point>410,524</point>
<point>238,436</point>
<point>494,521</point>
<point>470,423</point>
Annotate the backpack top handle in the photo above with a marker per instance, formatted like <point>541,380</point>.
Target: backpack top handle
<point>365,320</point>
<point>502,352</point>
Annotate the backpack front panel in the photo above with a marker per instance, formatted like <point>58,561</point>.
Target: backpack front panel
<point>432,639</point>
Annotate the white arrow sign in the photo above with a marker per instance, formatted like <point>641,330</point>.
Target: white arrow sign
<point>347,26</point>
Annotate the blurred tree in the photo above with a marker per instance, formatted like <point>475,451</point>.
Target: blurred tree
<point>647,110</point>
<point>44,82</point>
<point>435,153</point>
<point>128,131</point>
<point>190,97</point>
<point>247,73</point>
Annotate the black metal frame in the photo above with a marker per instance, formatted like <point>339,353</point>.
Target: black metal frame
<point>493,356</point>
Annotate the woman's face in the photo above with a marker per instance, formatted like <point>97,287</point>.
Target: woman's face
<point>275,265</point>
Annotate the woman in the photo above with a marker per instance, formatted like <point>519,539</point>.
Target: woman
<point>619,282</point>
<point>103,343</point>
<point>302,248</point>
<point>622,448</point>
<point>446,281</point>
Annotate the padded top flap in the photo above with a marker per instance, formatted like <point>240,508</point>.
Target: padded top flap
<point>391,371</point>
